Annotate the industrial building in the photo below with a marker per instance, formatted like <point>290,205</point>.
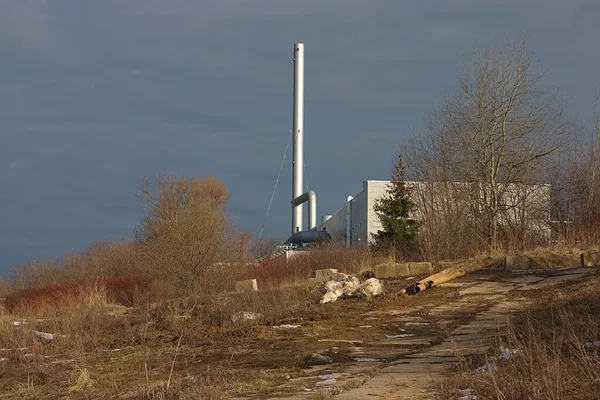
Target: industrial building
<point>525,206</point>
<point>356,221</point>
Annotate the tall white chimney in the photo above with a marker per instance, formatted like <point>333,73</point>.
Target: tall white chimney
<point>298,132</point>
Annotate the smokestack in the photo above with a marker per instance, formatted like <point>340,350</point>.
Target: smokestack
<point>298,132</point>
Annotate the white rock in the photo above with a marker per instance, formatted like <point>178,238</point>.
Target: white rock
<point>46,337</point>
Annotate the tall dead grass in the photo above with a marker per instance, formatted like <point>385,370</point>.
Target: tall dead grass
<point>554,354</point>
<point>122,290</point>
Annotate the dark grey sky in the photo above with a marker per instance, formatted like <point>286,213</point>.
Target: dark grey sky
<point>97,95</point>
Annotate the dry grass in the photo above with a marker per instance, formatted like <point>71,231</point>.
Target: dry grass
<point>123,290</point>
<point>555,356</point>
<point>299,268</point>
<point>140,339</point>
<point>162,350</point>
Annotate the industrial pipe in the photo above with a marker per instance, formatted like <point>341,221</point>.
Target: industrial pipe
<point>311,197</point>
<point>349,221</point>
<point>448,275</point>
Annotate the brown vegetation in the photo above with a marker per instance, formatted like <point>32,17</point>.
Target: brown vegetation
<point>123,290</point>
<point>553,353</point>
<point>297,268</point>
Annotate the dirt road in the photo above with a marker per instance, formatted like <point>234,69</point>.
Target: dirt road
<point>425,342</point>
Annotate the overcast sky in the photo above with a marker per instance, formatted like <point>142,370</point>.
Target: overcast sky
<point>97,95</point>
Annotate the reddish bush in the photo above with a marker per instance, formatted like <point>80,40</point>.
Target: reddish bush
<point>280,270</point>
<point>123,290</point>
<point>301,266</point>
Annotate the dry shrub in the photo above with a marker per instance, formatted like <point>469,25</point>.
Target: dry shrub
<point>186,235</point>
<point>99,260</point>
<point>5,289</point>
<point>78,322</point>
<point>557,354</point>
<point>34,274</point>
<point>123,290</point>
<point>224,311</point>
<point>16,337</point>
<point>216,382</point>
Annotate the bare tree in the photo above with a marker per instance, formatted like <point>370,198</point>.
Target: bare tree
<point>497,130</point>
<point>581,199</point>
<point>264,248</point>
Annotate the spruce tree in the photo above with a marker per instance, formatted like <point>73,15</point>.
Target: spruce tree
<point>393,209</point>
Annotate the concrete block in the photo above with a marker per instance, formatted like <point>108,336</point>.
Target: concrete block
<point>420,268</point>
<point>517,262</point>
<point>383,271</point>
<point>324,275</point>
<point>247,286</point>
<point>592,259</point>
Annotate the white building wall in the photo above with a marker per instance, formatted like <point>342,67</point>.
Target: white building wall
<point>365,223</point>
<point>336,226</point>
<point>359,217</point>
<point>375,190</point>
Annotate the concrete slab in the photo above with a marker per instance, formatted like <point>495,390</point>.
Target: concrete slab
<point>414,381</point>
<point>383,271</point>
<point>592,259</point>
<point>406,341</point>
<point>457,284</point>
<point>487,288</point>
<point>550,282</point>
<point>419,268</point>
<point>517,262</point>
<point>389,312</point>
<point>525,279</point>
<point>247,286</point>
<point>324,275</point>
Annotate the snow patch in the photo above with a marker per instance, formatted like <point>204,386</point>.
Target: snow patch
<point>366,359</point>
<point>371,287</point>
<point>466,394</point>
<point>401,335</point>
<point>287,326</point>
<point>326,382</point>
<point>347,285</point>
<point>487,368</point>
<point>245,316</point>
<point>330,379</point>
<point>416,324</point>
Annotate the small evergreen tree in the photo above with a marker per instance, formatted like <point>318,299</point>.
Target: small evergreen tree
<point>393,209</point>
